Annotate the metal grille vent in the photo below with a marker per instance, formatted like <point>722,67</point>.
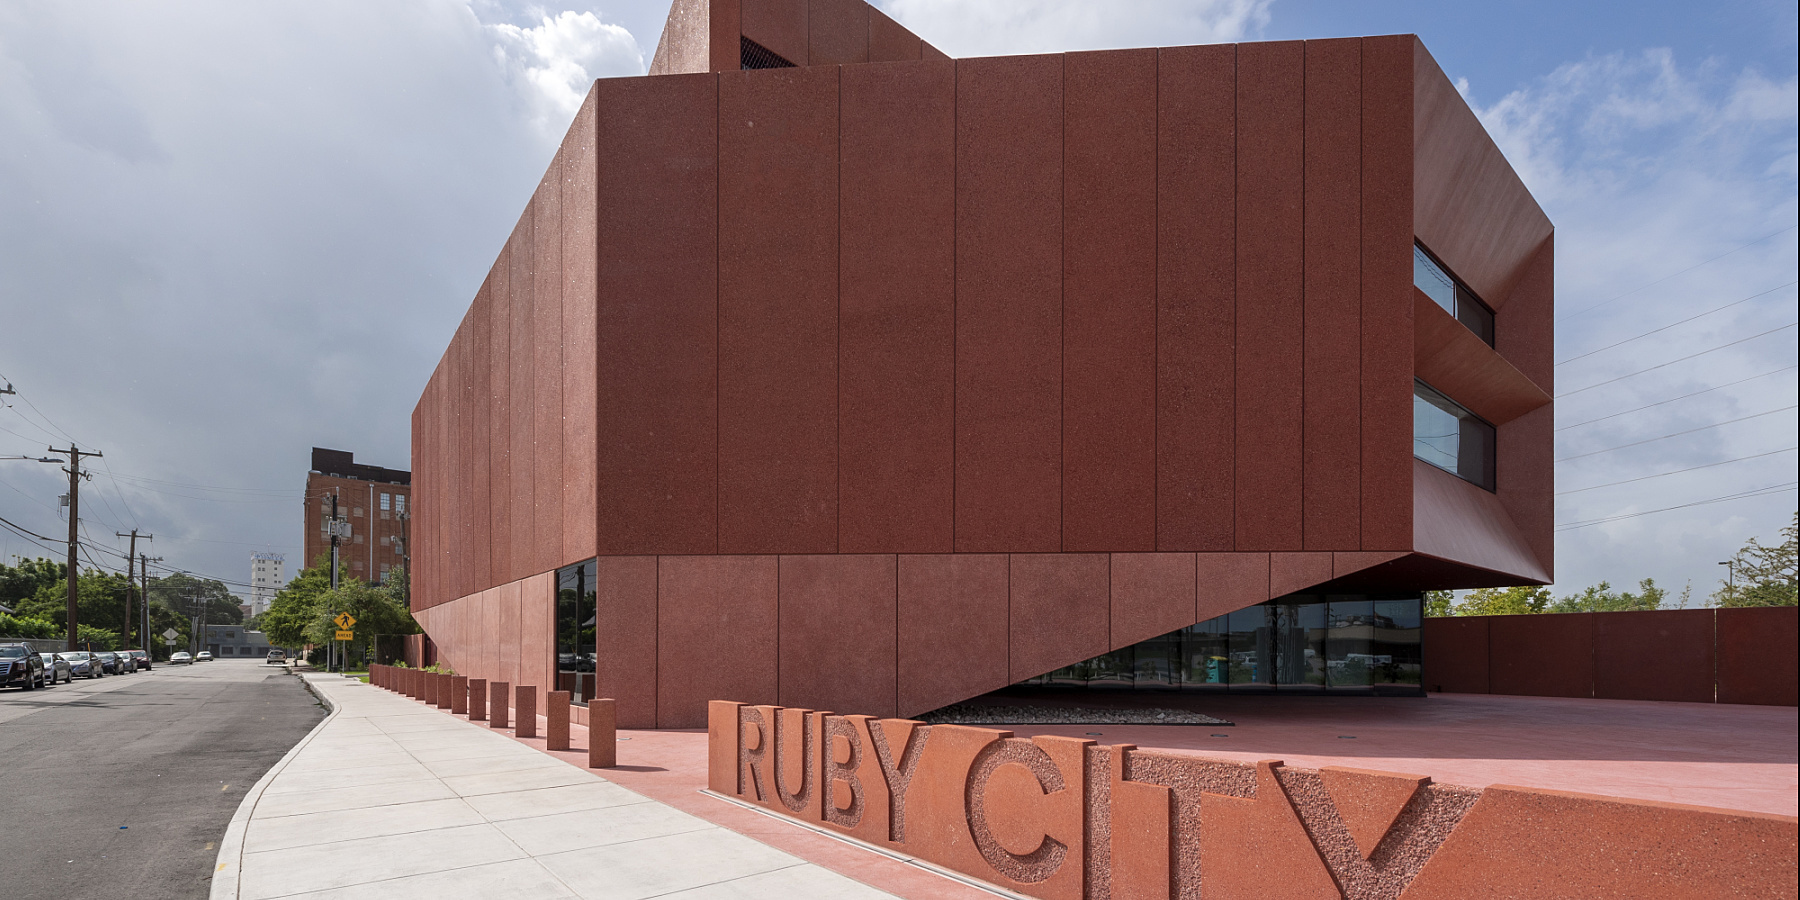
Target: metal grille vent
<point>752,55</point>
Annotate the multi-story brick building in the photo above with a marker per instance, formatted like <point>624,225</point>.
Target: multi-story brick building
<point>372,499</point>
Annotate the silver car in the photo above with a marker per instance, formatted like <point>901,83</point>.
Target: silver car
<point>56,669</point>
<point>82,664</point>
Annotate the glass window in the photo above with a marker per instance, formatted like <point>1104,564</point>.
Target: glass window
<point>1431,277</point>
<point>1297,642</point>
<point>1205,656</point>
<point>1348,662</point>
<point>1394,642</point>
<point>1452,438</point>
<point>1246,641</point>
<point>575,622</point>
<point>400,503</point>
<point>386,503</point>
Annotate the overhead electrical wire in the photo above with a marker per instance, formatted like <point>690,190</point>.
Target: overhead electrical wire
<point>1682,397</point>
<point>1679,359</point>
<point>1677,471</point>
<point>1677,433</point>
<point>1742,495</point>
<point>1691,268</point>
<point>1673,324</point>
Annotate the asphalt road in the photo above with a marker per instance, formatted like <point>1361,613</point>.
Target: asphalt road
<point>122,786</point>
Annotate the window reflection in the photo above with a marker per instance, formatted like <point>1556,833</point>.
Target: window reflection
<point>575,620</point>
<point>1452,438</point>
<point>1301,643</point>
<point>1436,282</point>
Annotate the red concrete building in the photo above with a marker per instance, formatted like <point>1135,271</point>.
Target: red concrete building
<point>824,370</point>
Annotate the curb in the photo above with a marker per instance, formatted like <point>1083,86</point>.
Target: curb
<point>231,847</point>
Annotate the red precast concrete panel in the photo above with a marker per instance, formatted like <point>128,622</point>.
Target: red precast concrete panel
<point>625,616</point>
<point>1009,242</point>
<point>537,633</point>
<point>837,32</point>
<point>1526,446</point>
<point>500,421</point>
<point>1331,498</point>
<point>1542,655</point>
<point>1196,341</point>
<point>1758,658</point>
<point>1225,582</point>
<point>1456,654</point>
<point>889,41</point>
<point>658,315</point>
<point>778,283</point>
<point>524,533</point>
<point>579,296</point>
<point>1654,655</point>
<point>1152,594</point>
<point>779,25</point>
<point>1059,610</point>
<point>896,309</point>
<point>953,628</point>
<point>1109,301</point>
<point>716,635</point>
<point>420,594</point>
<point>1292,572</point>
<point>481,349</point>
<point>838,633</point>
<point>488,621</point>
<point>1270,220</point>
<point>1387,328</point>
<point>547,376</point>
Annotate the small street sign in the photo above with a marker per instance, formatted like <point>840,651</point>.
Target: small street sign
<point>346,636</point>
<point>170,634</point>
<point>168,642</point>
<point>345,621</point>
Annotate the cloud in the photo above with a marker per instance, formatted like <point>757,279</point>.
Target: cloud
<point>994,27</point>
<point>553,63</point>
<point>1672,186</point>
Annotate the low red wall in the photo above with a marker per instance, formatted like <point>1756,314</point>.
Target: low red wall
<point>1067,819</point>
<point>1693,655</point>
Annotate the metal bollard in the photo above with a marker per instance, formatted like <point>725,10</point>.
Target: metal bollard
<point>525,710</point>
<point>497,695</point>
<point>603,734</point>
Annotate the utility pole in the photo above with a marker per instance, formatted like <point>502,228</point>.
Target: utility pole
<point>131,557</point>
<point>144,577</point>
<point>75,476</point>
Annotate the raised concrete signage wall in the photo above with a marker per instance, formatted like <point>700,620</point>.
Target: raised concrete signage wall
<point>1064,819</point>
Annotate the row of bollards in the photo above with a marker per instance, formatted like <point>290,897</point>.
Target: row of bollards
<point>481,700</point>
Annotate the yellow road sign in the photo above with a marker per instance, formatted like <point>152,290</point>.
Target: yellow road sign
<point>345,620</point>
<point>346,636</point>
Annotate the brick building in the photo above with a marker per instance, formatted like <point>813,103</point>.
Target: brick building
<point>374,500</point>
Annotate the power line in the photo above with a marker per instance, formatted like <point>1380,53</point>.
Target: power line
<point>1677,471</point>
<point>1673,324</point>
<point>1682,272</point>
<point>1682,397</point>
<point>1758,492</point>
<point>1674,361</point>
<point>1676,434</point>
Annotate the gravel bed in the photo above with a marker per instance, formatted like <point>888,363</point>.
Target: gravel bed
<point>961,714</point>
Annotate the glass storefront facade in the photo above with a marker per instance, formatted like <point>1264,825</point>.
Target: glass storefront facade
<point>1300,643</point>
<point>575,631</point>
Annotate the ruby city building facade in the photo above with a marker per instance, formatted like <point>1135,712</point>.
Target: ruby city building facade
<point>823,370</point>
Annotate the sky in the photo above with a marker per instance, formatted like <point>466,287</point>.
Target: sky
<point>231,232</point>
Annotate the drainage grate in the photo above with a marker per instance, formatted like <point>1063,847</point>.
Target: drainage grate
<point>752,55</point>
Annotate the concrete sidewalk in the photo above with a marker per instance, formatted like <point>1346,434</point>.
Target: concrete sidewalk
<point>389,799</point>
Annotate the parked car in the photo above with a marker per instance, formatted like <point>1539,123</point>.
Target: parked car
<point>141,658</point>
<point>20,665</point>
<point>276,657</point>
<point>181,658</point>
<point>56,669</point>
<point>82,664</point>
<point>110,663</point>
<point>203,656</point>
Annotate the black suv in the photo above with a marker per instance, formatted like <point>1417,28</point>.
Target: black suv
<point>20,665</point>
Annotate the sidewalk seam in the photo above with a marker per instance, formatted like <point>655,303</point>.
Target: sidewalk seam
<point>230,862</point>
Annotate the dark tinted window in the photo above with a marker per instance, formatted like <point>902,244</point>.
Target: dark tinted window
<point>1452,438</point>
<point>1436,282</point>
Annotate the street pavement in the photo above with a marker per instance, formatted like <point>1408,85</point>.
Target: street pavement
<point>392,799</point>
<point>123,786</point>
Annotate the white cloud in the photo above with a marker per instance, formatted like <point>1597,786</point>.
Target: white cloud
<point>553,63</point>
<point>1657,174</point>
<point>994,27</point>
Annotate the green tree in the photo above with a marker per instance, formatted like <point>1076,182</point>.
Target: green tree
<point>18,627</point>
<point>298,604</point>
<point>192,596</point>
<point>1602,598</point>
<point>377,611</point>
<point>100,607</point>
<point>1762,575</point>
<point>1506,601</point>
<point>1437,603</point>
<point>22,582</point>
